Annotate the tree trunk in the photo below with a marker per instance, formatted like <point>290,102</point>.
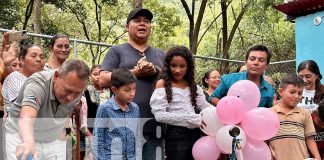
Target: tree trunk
<point>198,25</point>
<point>137,3</point>
<point>28,13</point>
<point>224,35</point>
<point>194,28</point>
<point>37,21</point>
<point>228,38</point>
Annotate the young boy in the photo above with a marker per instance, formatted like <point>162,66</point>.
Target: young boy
<point>318,119</point>
<point>296,132</point>
<point>116,122</point>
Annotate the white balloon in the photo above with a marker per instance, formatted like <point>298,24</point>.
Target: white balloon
<point>213,124</point>
<point>224,139</point>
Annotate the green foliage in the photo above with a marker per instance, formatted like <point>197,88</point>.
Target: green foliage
<point>9,15</point>
<point>110,2</point>
<point>79,19</point>
<point>164,21</point>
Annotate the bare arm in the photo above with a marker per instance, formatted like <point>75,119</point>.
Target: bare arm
<point>214,101</point>
<point>311,144</point>
<point>26,132</point>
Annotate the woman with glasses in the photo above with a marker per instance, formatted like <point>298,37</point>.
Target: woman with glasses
<point>211,80</point>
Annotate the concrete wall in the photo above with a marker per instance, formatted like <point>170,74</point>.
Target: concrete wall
<point>310,40</point>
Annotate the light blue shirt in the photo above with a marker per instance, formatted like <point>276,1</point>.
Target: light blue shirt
<point>267,92</point>
<point>115,131</point>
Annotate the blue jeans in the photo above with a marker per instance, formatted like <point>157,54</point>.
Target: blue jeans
<point>150,147</point>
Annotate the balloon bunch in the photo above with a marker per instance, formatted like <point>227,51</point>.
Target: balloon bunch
<point>239,108</point>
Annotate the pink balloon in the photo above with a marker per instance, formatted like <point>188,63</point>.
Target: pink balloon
<point>256,150</point>
<point>205,148</point>
<point>224,139</point>
<point>213,124</point>
<point>260,124</point>
<point>247,91</point>
<point>230,110</point>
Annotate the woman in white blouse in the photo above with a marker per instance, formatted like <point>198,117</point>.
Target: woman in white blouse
<point>176,100</point>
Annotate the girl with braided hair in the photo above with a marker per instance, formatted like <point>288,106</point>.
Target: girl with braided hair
<point>176,100</point>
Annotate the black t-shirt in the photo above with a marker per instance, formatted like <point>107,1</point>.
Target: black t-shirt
<point>125,56</point>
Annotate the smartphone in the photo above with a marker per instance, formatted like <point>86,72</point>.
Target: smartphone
<point>17,35</point>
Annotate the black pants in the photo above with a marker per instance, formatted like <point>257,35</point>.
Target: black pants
<point>179,142</point>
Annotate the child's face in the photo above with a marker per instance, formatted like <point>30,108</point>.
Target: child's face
<point>291,95</point>
<point>125,93</point>
<point>95,76</point>
<point>178,67</point>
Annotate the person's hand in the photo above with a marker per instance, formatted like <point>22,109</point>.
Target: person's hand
<point>24,150</point>
<point>9,54</point>
<point>8,51</point>
<point>149,69</point>
<point>142,62</point>
<point>145,70</point>
<point>5,40</point>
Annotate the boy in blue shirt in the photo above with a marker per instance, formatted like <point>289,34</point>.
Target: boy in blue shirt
<point>116,123</point>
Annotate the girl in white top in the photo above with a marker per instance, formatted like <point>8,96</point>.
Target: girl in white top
<point>176,100</point>
<point>314,91</point>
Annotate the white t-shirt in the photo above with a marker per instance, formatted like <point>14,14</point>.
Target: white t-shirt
<point>307,100</point>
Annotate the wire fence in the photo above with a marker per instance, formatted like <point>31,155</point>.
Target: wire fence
<point>90,50</point>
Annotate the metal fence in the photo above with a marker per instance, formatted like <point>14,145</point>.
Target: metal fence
<point>81,49</point>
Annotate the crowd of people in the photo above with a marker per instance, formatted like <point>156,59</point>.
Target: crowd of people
<point>137,82</point>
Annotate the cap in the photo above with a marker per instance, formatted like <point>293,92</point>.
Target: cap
<point>140,12</point>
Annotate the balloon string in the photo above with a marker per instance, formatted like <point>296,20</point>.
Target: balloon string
<point>239,154</point>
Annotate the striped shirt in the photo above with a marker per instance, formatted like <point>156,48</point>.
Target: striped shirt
<point>289,142</point>
<point>11,87</point>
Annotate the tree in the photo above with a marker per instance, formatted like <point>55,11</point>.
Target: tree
<point>9,15</point>
<point>194,27</point>
<point>137,4</point>
<point>104,21</point>
<point>228,38</point>
<point>28,12</point>
<point>37,21</point>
